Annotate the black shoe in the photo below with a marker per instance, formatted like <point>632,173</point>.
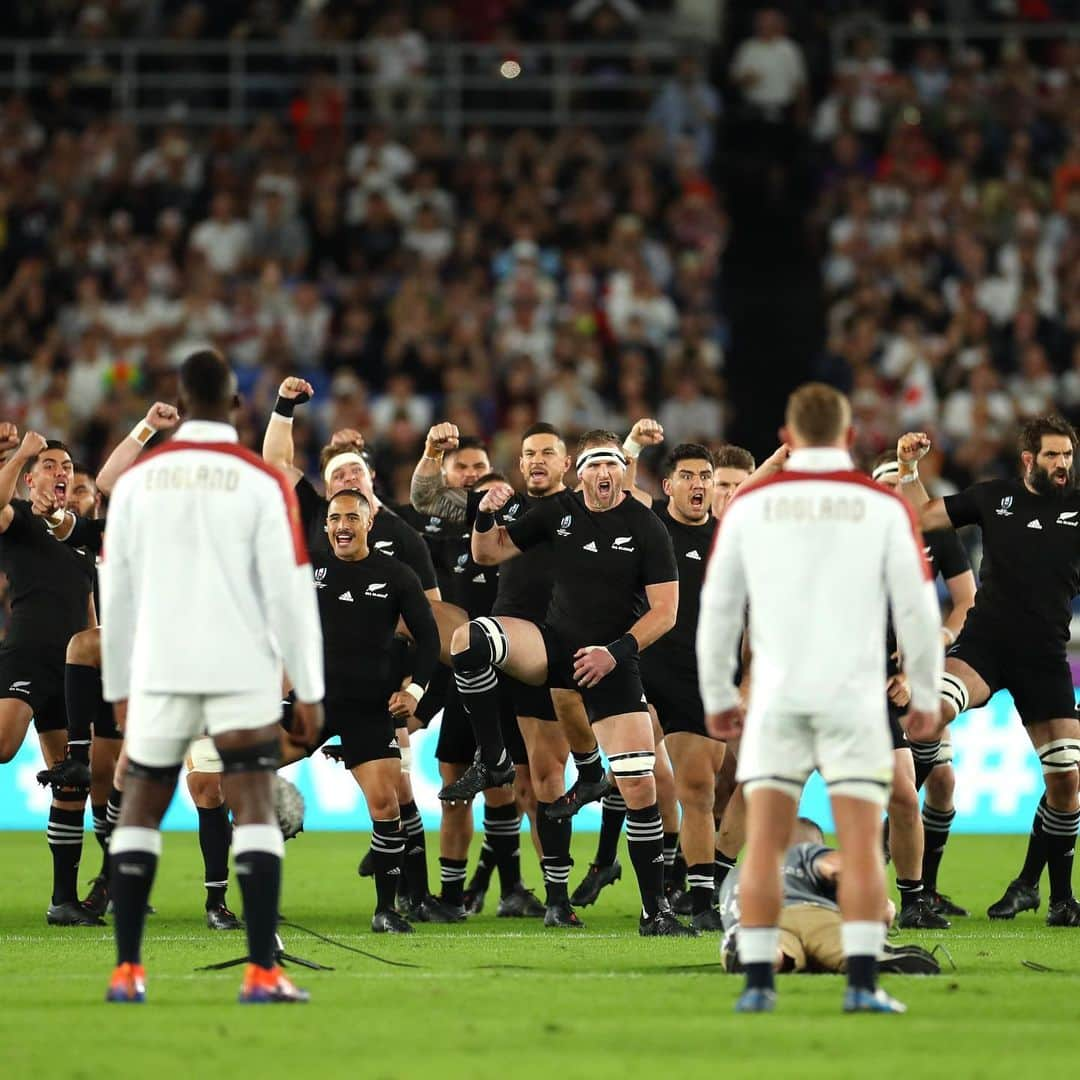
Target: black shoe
<point>434,909</point>
<point>595,881</point>
<point>69,773</point>
<point>520,903</point>
<point>97,899</point>
<point>219,917</point>
<point>680,901</point>
<point>408,907</point>
<point>1063,913</point>
<point>707,920</point>
<point>943,905</point>
<point>477,778</point>
<point>475,895</point>
<point>907,960</point>
<point>71,913</point>
<point>581,794</point>
<point>1019,896</point>
<point>562,914</point>
<point>918,915</point>
<point>664,924</point>
<point>390,922</point>
<point>367,865</point>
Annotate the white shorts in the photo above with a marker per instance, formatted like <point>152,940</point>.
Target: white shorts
<point>161,727</point>
<point>851,748</point>
<point>203,756</point>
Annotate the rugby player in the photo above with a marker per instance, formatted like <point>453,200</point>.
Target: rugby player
<point>846,548</point>
<point>921,905</point>
<point>206,588</point>
<point>524,589</point>
<point>344,467</point>
<point>1016,634</point>
<point>615,593</point>
<point>51,591</point>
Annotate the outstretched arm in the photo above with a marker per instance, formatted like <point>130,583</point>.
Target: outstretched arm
<point>930,513</point>
<point>491,543</point>
<point>644,433</point>
<point>429,493</point>
<point>277,447</point>
<point>31,445</point>
<point>159,417</point>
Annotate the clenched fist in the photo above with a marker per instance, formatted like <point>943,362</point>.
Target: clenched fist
<point>912,447</point>
<point>32,445</point>
<point>647,433</point>
<point>9,437</point>
<point>162,417</point>
<point>294,387</point>
<point>440,438</point>
<point>496,497</point>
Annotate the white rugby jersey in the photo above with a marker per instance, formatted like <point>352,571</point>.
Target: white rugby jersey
<point>819,552</point>
<point>206,586</point>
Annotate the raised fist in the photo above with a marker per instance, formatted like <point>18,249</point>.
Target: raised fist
<point>440,438</point>
<point>162,417</point>
<point>912,447</point>
<point>647,433</point>
<point>9,437</point>
<point>347,437</point>
<point>32,444</point>
<point>496,497</point>
<point>293,387</point>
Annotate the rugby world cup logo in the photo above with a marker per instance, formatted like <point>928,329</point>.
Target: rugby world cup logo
<point>564,525</point>
<point>1004,509</point>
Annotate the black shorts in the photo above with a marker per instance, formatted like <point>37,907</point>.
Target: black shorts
<point>105,722</point>
<point>896,729</point>
<point>526,700</point>
<point>676,698</point>
<point>1041,686</point>
<point>457,745</point>
<point>617,693</point>
<point>435,696</point>
<point>365,727</point>
<point>27,675</point>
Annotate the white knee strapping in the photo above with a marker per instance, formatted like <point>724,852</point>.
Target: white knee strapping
<point>954,693</point>
<point>635,763</point>
<point>406,759</point>
<point>1059,755</point>
<point>496,636</point>
<point>945,752</point>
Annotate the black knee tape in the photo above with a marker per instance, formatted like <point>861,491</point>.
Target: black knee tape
<point>264,757</point>
<point>488,645</point>
<point>154,774</point>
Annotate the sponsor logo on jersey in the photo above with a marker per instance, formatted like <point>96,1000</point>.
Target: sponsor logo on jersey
<point>564,526</point>
<point>622,543</point>
<point>20,687</point>
<point>694,555</point>
<point>434,525</point>
<point>385,546</point>
<point>1068,517</point>
<point>346,596</point>
<point>373,590</point>
<point>1003,510</point>
<point>590,546</point>
<point>1035,524</point>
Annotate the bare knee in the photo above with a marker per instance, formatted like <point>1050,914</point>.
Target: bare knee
<point>459,640</point>
<point>1062,788</point>
<point>524,795</point>
<point>638,792</point>
<point>941,786</point>
<point>696,793</point>
<point>84,648</point>
<point>205,790</point>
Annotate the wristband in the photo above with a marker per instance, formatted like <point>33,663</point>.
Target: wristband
<point>909,477</point>
<point>415,691</point>
<point>437,456</point>
<point>142,433</point>
<point>632,448</point>
<point>626,648</point>
<point>485,521</point>
<point>54,521</point>
<point>950,637</point>
<point>284,406</point>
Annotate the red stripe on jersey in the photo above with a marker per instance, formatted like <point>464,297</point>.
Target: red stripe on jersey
<point>292,508</point>
<point>857,479</point>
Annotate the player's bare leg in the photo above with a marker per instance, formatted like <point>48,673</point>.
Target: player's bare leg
<point>592,782</point>
<point>906,845</point>
<point>674,863</point>
<point>696,760</point>
<point>627,741</point>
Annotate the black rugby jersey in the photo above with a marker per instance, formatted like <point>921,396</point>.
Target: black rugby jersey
<point>462,581</point>
<point>677,649</point>
<point>359,606</point>
<point>437,534</point>
<point>49,584</point>
<point>389,535</point>
<point>602,563</point>
<point>1031,561</point>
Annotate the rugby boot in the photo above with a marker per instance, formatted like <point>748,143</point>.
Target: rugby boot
<point>1063,912</point>
<point>520,903</point>
<point>858,1000</point>
<point>71,913</point>
<point>127,985</point>
<point>1019,896</point>
<point>562,914</point>
<point>97,899</point>
<point>390,922</point>
<point>918,915</point>
<point>477,778</point>
<point>270,986</point>
<point>756,1000</point>
<point>581,794</point>
<point>474,899</point>
<point>907,960</point>
<point>664,924</point>
<point>69,773</point>
<point>594,882</point>
<point>434,909</point>
<point>219,917</point>
<point>707,920</point>
<point>944,905</point>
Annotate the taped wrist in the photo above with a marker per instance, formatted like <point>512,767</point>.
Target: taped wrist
<point>625,648</point>
<point>285,406</point>
<point>485,521</point>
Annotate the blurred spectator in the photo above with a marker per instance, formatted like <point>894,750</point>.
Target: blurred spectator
<point>222,239</point>
<point>769,69</point>
<point>687,107</point>
<point>398,58</point>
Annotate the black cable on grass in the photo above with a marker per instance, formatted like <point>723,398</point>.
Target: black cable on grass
<point>348,948</point>
<point>1034,965</point>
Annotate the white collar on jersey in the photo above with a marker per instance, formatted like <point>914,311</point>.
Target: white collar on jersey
<point>206,431</point>
<point>819,459</point>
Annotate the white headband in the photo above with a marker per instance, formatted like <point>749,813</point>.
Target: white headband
<point>346,457</point>
<point>886,468</point>
<point>611,454</point>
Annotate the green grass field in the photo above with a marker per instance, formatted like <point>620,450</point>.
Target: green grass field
<point>506,998</point>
